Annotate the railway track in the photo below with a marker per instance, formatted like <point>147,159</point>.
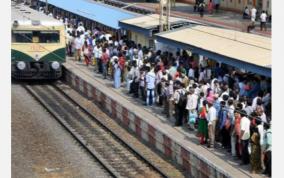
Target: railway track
<point>116,157</point>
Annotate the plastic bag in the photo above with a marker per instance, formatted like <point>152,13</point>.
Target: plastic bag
<point>192,117</point>
<point>249,148</point>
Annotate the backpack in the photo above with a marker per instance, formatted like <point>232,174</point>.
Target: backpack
<point>182,99</point>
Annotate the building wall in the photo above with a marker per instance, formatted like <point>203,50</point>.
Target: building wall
<point>266,5</point>
<point>140,38</point>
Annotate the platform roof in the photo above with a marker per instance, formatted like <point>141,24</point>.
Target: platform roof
<point>100,13</point>
<point>146,23</point>
<point>239,49</point>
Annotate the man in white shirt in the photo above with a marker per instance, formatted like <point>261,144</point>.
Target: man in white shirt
<point>108,36</point>
<point>69,42</point>
<point>253,14</point>
<point>254,101</point>
<point>191,105</point>
<point>263,17</point>
<point>78,46</point>
<point>81,28</point>
<point>249,108</point>
<point>211,118</point>
<point>98,54</point>
<point>150,85</point>
<point>261,114</point>
<point>190,72</point>
<point>140,52</point>
<point>244,137</point>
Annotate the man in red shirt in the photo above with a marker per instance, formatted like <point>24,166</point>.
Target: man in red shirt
<point>121,63</point>
<point>105,59</point>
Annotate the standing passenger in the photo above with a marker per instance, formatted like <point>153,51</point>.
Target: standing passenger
<point>201,9</point>
<point>191,105</point>
<point>78,46</point>
<point>211,118</point>
<point>104,59</point>
<point>255,157</point>
<point>244,137</point>
<point>150,85</point>
<point>210,6</point>
<point>263,18</point>
<point>253,16</point>
<point>202,123</point>
<point>117,73</point>
<point>86,53</point>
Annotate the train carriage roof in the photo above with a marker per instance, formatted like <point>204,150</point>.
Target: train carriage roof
<point>24,15</point>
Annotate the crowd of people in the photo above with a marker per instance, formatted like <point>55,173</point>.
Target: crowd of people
<point>223,104</point>
<point>200,6</point>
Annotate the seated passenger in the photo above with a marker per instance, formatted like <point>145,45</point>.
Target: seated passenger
<point>246,13</point>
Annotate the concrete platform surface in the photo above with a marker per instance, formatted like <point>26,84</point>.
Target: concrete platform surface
<point>177,143</point>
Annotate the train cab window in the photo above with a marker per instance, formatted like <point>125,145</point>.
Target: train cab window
<point>22,36</point>
<point>35,37</point>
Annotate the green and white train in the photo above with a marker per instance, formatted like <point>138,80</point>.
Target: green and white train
<point>38,44</point>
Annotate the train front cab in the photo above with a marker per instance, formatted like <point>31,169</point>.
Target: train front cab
<point>37,53</point>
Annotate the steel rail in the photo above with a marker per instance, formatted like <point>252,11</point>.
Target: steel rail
<point>80,139</point>
<point>92,152</point>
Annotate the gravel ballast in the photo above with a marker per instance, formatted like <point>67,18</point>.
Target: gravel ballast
<point>40,145</point>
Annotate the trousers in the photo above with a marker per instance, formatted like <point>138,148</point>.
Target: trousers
<point>233,145</point>
<point>150,95</point>
<point>245,153</point>
<point>211,133</point>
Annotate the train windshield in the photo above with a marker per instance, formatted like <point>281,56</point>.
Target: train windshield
<point>35,36</point>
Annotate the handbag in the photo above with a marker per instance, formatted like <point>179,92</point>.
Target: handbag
<point>94,61</point>
<point>249,148</point>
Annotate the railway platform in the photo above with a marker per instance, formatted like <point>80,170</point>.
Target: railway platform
<point>224,18</point>
<point>150,125</point>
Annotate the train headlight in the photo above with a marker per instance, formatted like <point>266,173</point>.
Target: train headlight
<point>21,65</point>
<point>55,65</point>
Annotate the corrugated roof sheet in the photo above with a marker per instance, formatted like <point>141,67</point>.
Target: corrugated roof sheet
<point>149,21</point>
<point>241,46</point>
<point>100,13</point>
